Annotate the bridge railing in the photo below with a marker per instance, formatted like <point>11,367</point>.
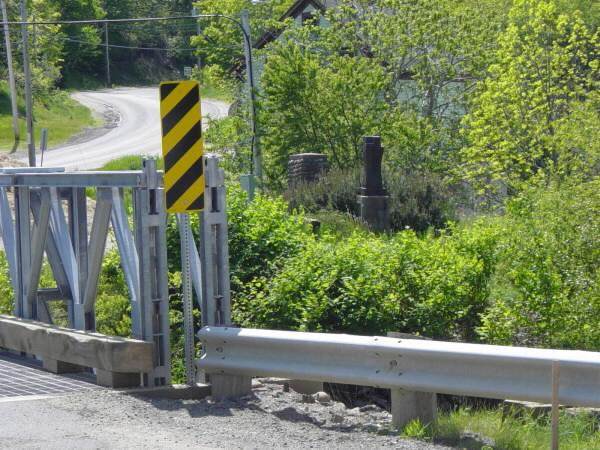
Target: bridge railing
<point>50,215</point>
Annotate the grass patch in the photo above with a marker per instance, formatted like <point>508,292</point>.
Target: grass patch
<point>337,223</point>
<point>486,429</point>
<point>214,92</point>
<point>129,162</point>
<point>61,115</point>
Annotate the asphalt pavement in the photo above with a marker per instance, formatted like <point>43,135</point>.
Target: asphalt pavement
<point>131,127</point>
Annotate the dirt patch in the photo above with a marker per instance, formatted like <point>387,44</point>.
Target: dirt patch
<point>108,115</point>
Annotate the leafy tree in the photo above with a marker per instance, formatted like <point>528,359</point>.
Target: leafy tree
<point>545,64</point>
<point>221,41</point>
<point>409,67</point>
<point>433,50</point>
<point>82,53</point>
<point>311,106</point>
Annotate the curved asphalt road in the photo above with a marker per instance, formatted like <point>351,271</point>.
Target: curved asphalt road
<point>135,129</point>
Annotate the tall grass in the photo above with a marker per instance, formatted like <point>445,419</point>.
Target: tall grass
<point>488,429</point>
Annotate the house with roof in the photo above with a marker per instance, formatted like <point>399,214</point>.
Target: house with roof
<point>306,11</point>
<point>300,12</point>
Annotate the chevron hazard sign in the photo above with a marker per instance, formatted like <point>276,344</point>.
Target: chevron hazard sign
<point>182,145</point>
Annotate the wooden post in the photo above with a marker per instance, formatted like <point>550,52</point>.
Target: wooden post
<point>28,93</point>
<point>11,77</point>
<point>555,403</point>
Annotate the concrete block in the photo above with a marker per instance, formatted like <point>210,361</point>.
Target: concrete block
<point>306,387</point>
<point>82,348</point>
<point>517,409</point>
<point>225,386</point>
<point>54,366</point>
<point>375,211</point>
<point>411,405</point>
<point>110,379</point>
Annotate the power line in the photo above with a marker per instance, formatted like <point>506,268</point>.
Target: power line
<point>128,20</point>
<point>159,49</point>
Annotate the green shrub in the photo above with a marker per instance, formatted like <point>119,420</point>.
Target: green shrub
<point>546,290</point>
<point>262,235</point>
<point>6,289</point>
<point>370,285</point>
<point>418,200</point>
<point>113,307</point>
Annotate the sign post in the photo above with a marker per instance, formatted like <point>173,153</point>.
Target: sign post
<point>182,147</point>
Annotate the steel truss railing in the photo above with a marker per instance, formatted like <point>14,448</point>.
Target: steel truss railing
<point>51,217</point>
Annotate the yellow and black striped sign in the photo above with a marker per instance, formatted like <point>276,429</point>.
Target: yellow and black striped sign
<point>182,145</point>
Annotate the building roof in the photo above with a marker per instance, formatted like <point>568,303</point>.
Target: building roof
<point>293,11</point>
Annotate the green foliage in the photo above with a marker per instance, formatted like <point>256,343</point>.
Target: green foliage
<point>370,285</point>
<point>545,62</point>
<point>130,162</point>
<point>415,429</point>
<point>309,105</point>
<point>456,429</point>
<point>6,289</point>
<point>59,113</point>
<point>221,41</point>
<point>436,42</point>
<point>81,50</point>
<point>231,138</point>
<point>215,83</point>
<point>262,235</point>
<point>546,290</point>
<point>113,308</point>
<point>418,200</point>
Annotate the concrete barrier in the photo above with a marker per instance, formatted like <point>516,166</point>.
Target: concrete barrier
<point>118,361</point>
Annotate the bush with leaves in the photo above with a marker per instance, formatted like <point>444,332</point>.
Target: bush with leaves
<point>546,290</point>
<point>113,308</point>
<point>418,200</point>
<point>370,285</point>
<point>6,289</point>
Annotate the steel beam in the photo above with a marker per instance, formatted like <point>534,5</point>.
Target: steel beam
<point>78,230</point>
<point>23,234</point>
<point>216,300</point>
<point>95,254</point>
<point>38,244</point>
<point>60,232</point>
<point>128,252</point>
<point>150,239</point>
<point>7,228</point>
<point>133,178</point>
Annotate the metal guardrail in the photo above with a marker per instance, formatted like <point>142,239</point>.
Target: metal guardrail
<point>417,365</point>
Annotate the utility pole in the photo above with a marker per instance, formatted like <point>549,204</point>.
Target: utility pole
<point>11,76</point>
<point>106,52</point>
<point>256,154</point>
<point>195,12</point>
<point>28,94</point>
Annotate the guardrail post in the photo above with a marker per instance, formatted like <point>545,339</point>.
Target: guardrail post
<point>216,298</point>
<point>411,405</point>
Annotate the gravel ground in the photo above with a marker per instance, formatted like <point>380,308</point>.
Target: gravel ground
<point>269,418</point>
